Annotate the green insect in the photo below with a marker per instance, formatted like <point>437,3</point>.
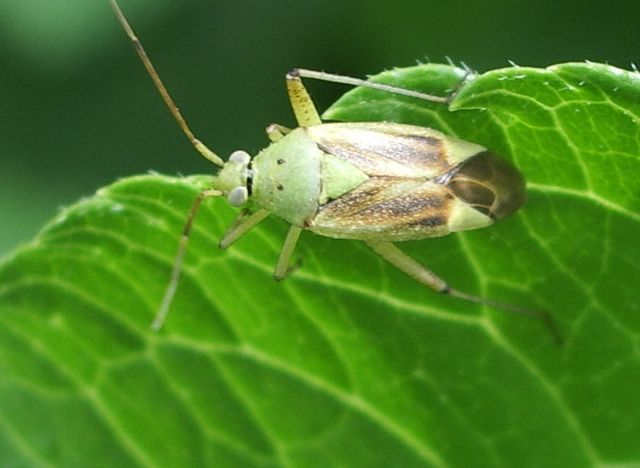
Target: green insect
<point>376,182</point>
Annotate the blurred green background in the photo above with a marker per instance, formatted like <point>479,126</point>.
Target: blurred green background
<point>78,110</point>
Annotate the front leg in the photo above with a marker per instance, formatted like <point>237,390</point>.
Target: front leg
<point>241,225</point>
<point>275,132</point>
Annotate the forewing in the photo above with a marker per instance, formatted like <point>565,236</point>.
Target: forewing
<point>387,208</point>
<point>392,150</point>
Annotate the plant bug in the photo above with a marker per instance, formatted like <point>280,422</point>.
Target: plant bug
<point>376,182</point>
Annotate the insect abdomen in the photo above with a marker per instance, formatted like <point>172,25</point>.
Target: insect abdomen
<point>421,183</point>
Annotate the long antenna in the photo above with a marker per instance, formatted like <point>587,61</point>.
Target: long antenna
<point>166,97</point>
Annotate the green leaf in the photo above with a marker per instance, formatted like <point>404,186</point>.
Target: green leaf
<point>348,362</point>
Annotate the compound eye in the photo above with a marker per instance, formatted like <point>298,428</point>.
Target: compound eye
<point>240,157</point>
<point>238,196</point>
